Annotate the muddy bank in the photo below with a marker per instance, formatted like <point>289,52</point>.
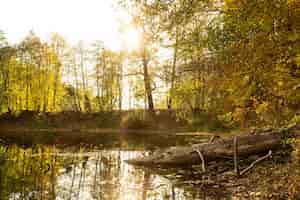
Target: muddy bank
<point>118,139</point>
<point>161,120</point>
<point>275,178</point>
<point>30,127</point>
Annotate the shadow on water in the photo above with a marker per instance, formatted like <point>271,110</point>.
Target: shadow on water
<point>98,171</point>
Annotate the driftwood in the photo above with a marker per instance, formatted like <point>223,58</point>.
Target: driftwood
<point>254,163</point>
<point>235,156</point>
<point>231,147</point>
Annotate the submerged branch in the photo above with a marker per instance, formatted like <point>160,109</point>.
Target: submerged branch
<point>255,162</point>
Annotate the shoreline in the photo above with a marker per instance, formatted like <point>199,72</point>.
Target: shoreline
<point>174,132</point>
<point>114,138</point>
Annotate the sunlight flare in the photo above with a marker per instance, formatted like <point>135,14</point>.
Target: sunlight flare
<point>132,38</point>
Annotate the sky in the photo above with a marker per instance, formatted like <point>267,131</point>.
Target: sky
<point>86,20</point>
<point>75,20</point>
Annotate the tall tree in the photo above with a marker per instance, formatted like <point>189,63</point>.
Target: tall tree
<point>148,26</point>
<point>58,45</point>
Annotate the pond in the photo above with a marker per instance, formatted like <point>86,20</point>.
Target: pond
<point>97,170</point>
<point>85,171</point>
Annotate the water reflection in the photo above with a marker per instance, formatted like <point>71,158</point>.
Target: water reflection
<point>98,171</point>
<point>101,175</point>
<point>47,172</point>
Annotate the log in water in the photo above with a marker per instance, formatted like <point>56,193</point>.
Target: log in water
<point>220,148</point>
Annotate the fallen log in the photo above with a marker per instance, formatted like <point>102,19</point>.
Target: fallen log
<point>221,148</point>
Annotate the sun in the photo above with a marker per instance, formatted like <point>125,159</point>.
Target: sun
<point>132,39</point>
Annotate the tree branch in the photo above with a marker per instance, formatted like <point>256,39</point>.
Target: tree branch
<point>255,162</point>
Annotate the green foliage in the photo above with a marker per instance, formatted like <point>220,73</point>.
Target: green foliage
<point>26,170</point>
<point>2,39</point>
<point>295,120</point>
<point>203,121</point>
<point>241,62</point>
<point>238,60</point>
<point>27,76</point>
<point>51,77</point>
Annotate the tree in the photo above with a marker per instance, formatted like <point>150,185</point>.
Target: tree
<point>6,55</point>
<point>260,74</point>
<point>58,45</point>
<point>148,26</point>
<point>3,41</point>
<point>182,23</point>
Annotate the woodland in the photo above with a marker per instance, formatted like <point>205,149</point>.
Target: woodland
<point>213,67</point>
<point>237,60</point>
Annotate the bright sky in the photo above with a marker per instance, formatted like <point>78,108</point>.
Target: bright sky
<point>86,20</point>
<point>75,20</point>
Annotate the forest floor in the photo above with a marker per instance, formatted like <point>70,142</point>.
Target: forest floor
<point>275,178</point>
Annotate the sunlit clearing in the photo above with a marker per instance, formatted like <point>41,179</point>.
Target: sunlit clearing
<point>132,39</point>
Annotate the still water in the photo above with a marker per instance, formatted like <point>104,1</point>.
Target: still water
<point>93,171</point>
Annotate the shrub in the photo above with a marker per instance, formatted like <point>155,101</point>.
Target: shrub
<point>136,120</point>
<point>205,121</point>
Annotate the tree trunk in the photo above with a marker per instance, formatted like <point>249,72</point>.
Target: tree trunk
<point>222,148</point>
<point>27,86</point>
<point>83,77</point>
<point>57,72</point>
<point>98,87</point>
<point>76,96</point>
<point>147,83</point>
<point>173,73</point>
<point>120,78</point>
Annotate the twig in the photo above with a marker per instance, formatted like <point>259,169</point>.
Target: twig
<point>202,159</point>
<point>212,139</point>
<point>255,162</point>
<point>235,156</point>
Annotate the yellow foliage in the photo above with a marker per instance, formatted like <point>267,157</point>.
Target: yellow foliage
<point>262,108</point>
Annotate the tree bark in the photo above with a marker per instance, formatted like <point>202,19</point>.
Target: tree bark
<point>221,148</point>
<point>57,72</point>
<point>148,88</point>
<point>173,73</point>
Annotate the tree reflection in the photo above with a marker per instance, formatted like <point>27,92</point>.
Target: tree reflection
<point>48,172</point>
<point>28,173</point>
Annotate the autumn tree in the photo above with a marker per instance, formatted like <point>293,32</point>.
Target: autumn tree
<point>58,45</point>
<point>108,77</point>
<point>148,26</point>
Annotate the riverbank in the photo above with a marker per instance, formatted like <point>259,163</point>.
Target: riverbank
<point>100,137</point>
<point>162,121</point>
<point>274,178</point>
